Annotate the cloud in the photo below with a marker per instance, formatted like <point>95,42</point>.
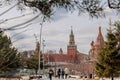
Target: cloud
<point>59,14</point>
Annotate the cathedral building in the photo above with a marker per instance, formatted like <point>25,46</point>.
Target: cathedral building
<point>96,46</point>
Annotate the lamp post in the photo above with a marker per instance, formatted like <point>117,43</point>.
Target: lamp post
<point>48,58</point>
<point>43,43</point>
<point>39,51</point>
<point>40,45</point>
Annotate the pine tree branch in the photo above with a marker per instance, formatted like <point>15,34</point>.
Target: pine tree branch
<point>6,57</point>
<point>117,6</point>
<point>4,67</point>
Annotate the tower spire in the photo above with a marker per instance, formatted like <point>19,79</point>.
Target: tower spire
<point>71,41</point>
<point>71,31</point>
<point>100,31</point>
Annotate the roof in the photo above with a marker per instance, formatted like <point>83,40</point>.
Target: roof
<point>54,57</point>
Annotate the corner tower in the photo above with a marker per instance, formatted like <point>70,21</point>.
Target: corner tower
<point>72,48</point>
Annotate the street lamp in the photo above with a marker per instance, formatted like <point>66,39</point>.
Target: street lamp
<point>48,57</point>
<point>43,43</point>
<point>40,45</point>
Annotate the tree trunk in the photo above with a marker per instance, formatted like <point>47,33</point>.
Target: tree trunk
<point>112,78</point>
<point>36,72</point>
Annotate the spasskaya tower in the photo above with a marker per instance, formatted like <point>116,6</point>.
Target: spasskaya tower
<point>72,48</point>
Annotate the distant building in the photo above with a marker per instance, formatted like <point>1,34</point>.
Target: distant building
<point>72,55</point>
<point>27,54</point>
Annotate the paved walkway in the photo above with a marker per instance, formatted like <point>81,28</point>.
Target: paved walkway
<point>43,78</point>
<point>46,78</point>
<point>60,79</point>
<point>56,78</point>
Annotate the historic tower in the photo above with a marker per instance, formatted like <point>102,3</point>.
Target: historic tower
<point>96,46</point>
<point>72,48</point>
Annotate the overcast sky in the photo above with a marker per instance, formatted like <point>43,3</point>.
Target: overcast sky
<point>56,32</point>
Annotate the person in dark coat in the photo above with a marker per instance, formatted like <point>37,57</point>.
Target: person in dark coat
<point>59,73</point>
<point>50,74</point>
<point>63,73</point>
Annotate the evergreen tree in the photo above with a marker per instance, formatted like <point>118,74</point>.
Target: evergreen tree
<point>108,64</point>
<point>117,34</point>
<point>9,57</point>
<point>33,61</point>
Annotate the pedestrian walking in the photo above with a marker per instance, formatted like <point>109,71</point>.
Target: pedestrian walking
<point>66,72</point>
<point>51,74</point>
<point>59,73</point>
<point>62,73</point>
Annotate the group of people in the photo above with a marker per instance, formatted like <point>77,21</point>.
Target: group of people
<point>61,73</point>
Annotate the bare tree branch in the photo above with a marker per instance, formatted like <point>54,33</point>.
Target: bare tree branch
<point>14,18</point>
<point>8,9</point>
<point>16,26</point>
